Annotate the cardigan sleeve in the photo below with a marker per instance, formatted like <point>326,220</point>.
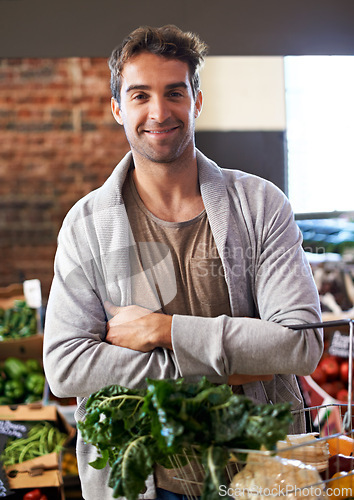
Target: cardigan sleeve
<point>77,360</point>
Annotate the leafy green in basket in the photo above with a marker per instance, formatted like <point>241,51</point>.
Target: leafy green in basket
<point>135,429</point>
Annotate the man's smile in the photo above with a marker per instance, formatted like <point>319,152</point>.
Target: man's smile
<point>158,132</point>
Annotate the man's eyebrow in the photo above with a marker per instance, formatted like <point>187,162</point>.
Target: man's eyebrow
<point>176,85</point>
<point>137,87</point>
<point>147,87</point>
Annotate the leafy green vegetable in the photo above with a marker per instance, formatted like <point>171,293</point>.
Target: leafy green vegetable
<point>214,460</point>
<point>133,465</point>
<point>135,429</point>
<point>18,321</point>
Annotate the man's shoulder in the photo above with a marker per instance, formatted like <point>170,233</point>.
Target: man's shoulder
<point>258,194</point>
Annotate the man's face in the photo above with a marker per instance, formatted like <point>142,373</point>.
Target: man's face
<point>157,108</point>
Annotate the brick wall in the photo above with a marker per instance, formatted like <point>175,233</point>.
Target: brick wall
<point>58,141</point>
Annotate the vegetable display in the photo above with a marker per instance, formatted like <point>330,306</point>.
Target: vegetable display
<point>136,429</point>
<point>21,381</point>
<point>43,438</point>
<point>18,321</point>
<point>332,371</point>
<point>331,375</point>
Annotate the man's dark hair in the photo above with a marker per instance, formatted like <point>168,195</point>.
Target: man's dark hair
<point>167,41</point>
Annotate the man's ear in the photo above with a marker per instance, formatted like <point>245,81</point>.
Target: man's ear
<point>116,111</point>
<point>198,104</point>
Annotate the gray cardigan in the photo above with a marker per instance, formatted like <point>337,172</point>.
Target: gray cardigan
<point>270,286</point>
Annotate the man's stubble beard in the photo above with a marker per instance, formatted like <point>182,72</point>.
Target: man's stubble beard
<point>176,154</point>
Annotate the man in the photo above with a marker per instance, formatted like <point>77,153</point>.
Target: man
<point>175,267</point>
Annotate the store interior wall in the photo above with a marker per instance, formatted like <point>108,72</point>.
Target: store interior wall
<point>58,138</point>
<point>243,122</point>
<point>59,142</point>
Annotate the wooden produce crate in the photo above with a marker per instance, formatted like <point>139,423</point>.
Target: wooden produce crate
<point>43,471</point>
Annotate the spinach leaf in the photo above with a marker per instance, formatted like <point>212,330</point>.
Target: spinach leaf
<point>134,463</point>
<point>100,462</point>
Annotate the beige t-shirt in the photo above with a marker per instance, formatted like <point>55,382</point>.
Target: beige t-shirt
<point>175,269</point>
<point>175,265</point>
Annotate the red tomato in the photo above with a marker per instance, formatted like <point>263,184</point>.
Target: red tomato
<point>331,367</point>
<point>33,495</point>
<point>344,371</point>
<point>319,376</point>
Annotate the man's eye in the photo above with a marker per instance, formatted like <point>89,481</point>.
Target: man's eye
<point>176,94</point>
<point>139,97</point>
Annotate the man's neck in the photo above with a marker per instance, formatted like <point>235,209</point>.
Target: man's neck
<point>169,191</point>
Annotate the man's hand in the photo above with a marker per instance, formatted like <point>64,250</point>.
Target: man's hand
<point>238,379</point>
<point>138,328</point>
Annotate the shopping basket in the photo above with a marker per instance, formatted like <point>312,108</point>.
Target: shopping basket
<point>302,466</point>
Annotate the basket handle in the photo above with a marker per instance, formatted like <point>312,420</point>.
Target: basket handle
<point>347,420</point>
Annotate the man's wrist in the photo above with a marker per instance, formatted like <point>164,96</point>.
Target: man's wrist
<point>163,335</point>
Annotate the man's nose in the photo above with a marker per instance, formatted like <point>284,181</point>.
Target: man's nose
<point>159,110</point>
